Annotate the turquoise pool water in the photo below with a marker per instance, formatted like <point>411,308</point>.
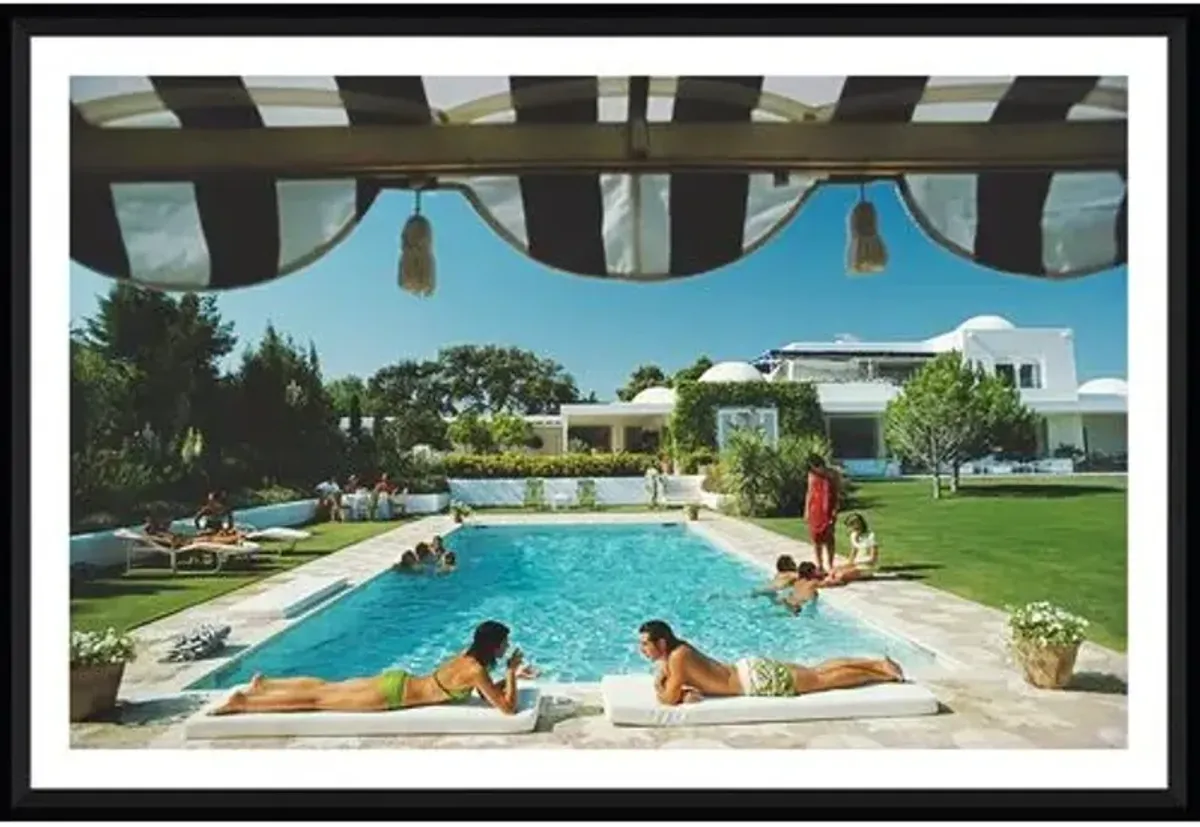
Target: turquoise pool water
<point>573,596</point>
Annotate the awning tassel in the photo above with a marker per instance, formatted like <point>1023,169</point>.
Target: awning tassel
<point>418,270</point>
<point>865,252</point>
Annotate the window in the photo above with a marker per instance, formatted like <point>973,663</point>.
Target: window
<point>1029,376</point>
<point>1007,373</point>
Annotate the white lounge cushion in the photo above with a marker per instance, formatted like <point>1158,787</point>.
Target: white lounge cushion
<point>629,700</point>
<point>278,533</point>
<point>473,717</point>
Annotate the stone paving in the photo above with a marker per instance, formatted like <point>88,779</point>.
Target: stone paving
<point>985,703</point>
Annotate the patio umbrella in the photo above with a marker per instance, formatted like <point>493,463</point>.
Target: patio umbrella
<point>220,182</point>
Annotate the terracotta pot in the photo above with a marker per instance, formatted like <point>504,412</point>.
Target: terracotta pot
<point>94,689</point>
<point>458,518</point>
<point>1046,667</point>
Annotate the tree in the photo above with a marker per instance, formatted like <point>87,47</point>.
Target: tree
<point>490,378</point>
<point>470,431</point>
<point>949,413</point>
<point>510,431</point>
<point>341,391</point>
<point>354,426</point>
<point>643,376</point>
<point>691,374</point>
<point>287,425</point>
<point>1004,424</point>
<point>933,419</point>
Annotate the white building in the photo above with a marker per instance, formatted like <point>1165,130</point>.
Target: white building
<point>855,380</point>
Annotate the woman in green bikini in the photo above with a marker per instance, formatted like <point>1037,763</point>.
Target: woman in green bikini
<point>452,682</point>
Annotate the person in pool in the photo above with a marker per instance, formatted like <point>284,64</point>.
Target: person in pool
<point>408,562</point>
<point>425,553</point>
<point>804,587</point>
<point>446,563</point>
<point>687,675</point>
<point>453,681</point>
<point>439,548</point>
<point>785,576</point>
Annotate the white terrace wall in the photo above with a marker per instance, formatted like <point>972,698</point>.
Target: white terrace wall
<point>510,493</point>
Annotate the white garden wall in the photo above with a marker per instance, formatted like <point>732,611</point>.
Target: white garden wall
<point>510,493</point>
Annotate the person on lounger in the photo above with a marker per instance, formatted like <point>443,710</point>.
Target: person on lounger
<point>159,529</point>
<point>687,675</point>
<point>452,682</point>
<point>213,515</point>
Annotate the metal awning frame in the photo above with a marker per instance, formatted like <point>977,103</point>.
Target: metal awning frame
<point>413,155</point>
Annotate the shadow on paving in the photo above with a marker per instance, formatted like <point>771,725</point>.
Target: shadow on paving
<point>154,711</point>
<point>1037,491</point>
<point>907,571</point>
<point>1100,683</point>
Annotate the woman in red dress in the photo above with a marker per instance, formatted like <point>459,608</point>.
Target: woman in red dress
<point>820,511</point>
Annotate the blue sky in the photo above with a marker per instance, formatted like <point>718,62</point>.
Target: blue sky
<point>792,289</point>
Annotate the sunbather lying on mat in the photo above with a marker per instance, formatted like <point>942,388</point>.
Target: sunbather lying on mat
<point>688,675</point>
<point>159,530</point>
<point>453,681</point>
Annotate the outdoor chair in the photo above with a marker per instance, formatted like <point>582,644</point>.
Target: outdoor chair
<point>140,545</point>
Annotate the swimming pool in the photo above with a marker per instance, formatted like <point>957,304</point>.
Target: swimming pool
<point>574,596</point>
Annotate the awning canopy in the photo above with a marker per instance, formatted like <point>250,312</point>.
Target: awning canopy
<point>220,182</point>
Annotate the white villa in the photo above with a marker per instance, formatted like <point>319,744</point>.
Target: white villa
<point>856,379</point>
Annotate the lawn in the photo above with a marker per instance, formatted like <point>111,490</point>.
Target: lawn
<point>128,600</point>
<point>1005,542</point>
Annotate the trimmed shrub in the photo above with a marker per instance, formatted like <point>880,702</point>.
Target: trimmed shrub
<point>692,461</point>
<point>694,422</point>
<point>517,466</point>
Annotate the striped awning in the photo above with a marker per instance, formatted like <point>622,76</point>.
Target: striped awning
<point>215,229</point>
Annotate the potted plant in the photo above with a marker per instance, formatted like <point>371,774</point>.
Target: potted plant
<point>1045,641</point>
<point>459,511</point>
<point>693,511</point>
<point>97,663</point>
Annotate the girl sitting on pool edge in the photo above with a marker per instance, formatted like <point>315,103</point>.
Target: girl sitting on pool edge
<point>864,554</point>
<point>452,681</point>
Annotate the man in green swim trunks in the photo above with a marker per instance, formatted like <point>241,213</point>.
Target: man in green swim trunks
<point>687,674</point>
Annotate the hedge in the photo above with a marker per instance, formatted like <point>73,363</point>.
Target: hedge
<point>515,466</point>
<point>695,419</point>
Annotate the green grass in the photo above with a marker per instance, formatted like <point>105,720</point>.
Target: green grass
<point>1005,542</point>
<point>125,601</point>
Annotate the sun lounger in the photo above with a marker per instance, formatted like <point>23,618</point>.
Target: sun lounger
<point>474,717</point>
<point>629,700</point>
<point>138,544</point>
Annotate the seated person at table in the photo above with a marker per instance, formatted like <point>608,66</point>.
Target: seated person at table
<point>385,486</point>
<point>785,576</point>
<point>408,562</point>
<point>352,484</point>
<point>453,681</point>
<point>159,529</point>
<point>687,675</point>
<point>864,554</point>
<point>213,515</point>
<point>447,563</point>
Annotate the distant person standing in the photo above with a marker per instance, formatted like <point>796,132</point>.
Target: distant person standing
<point>820,511</point>
<point>330,499</point>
